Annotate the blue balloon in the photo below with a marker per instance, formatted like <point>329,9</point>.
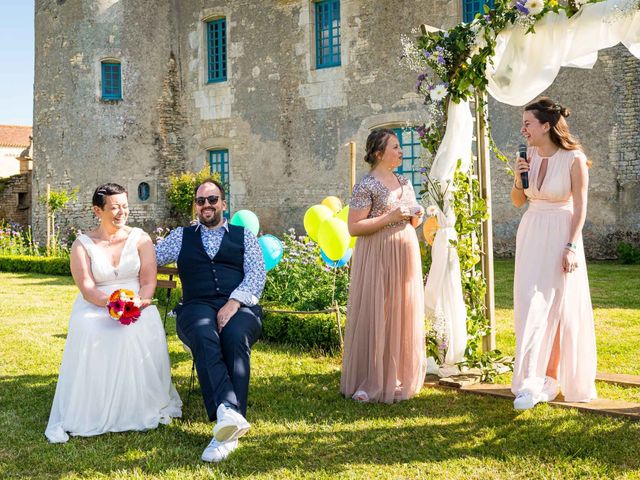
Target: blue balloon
<point>337,263</point>
<point>272,250</point>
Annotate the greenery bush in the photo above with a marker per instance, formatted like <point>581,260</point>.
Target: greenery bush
<point>313,331</point>
<point>302,280</point>
<point>33,264</point>
<point>181,191</point>
<point>628,253</point>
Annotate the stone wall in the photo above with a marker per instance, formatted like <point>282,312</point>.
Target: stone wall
<point>284,123</point>
<point>15,198</point>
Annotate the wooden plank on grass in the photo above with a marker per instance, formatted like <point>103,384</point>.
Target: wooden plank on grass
<point>615,408</point>
<point>620,379</point>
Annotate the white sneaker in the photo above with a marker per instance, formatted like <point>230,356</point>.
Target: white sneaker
<point>550,390</point>
<point>525,401</point>
<point>230,426</point>
<point>217,451</point>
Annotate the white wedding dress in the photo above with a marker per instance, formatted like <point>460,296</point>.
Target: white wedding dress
<point>113,377</point>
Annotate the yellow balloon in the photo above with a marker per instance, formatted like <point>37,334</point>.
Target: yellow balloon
<point>343,214</point>
<point>429,229</point>
<point>352,243</point>
<point>333,203</point>
<point>333,238</point>
<point>313,217</point>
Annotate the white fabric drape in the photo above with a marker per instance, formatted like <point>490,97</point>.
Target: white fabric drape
<point>526,64</point>
<point>523,67</point>
<point>443,291</point>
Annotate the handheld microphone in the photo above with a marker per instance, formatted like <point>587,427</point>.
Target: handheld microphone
<point>522,152</point>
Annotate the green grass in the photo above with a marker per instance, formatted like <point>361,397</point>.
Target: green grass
<point>302,427</point>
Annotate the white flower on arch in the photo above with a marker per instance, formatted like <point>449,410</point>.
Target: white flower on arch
<point>534,6</point>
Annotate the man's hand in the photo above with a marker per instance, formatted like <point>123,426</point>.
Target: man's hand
<point>226,312</point>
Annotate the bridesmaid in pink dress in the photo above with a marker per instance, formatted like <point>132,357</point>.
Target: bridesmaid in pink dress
<point>555,338</point>
<point>384,349</point>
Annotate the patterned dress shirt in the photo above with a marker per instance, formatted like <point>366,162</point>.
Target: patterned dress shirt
<point>249,291</point>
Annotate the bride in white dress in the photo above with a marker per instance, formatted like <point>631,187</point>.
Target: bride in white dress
<point>113,377</point>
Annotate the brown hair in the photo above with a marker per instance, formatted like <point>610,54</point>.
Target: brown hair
<point>548,111</point>
<point>101,193</point>
<point>210,180</point>
<point>376,143</point>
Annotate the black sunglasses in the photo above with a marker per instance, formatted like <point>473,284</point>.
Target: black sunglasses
<point>213,199</point>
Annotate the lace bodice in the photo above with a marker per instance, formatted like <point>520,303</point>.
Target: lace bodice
<point>104,272</point>
<point>556,185</point>
<point>371,192</point>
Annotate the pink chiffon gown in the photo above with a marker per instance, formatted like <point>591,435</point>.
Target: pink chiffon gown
<point>547,300</point>
<point>384,347</point>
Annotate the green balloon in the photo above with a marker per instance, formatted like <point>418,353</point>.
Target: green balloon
<point>246,219</point>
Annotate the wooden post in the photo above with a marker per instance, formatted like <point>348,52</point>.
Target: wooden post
<point>484,176</point>
<point>352,163</point>
<point>48,196</point>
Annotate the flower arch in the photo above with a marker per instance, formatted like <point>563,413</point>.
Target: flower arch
<point>512,52</point>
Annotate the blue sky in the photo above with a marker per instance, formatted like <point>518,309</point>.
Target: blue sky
<point>16,62</point>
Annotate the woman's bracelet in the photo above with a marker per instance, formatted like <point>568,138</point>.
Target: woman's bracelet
<point>571,247</point>
<point>516,186</point>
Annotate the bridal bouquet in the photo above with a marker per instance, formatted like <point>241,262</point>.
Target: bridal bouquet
<point>124,306</point>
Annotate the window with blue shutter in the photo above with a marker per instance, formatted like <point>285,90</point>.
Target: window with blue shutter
<point>327,33</point>
<point>471,7</point>
<point>111,81</point>
<point>411,151</point>
<point>217,50</point>
<point>219,162</point>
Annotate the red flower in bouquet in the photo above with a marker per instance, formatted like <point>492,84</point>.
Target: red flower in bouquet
<point>124,306</point>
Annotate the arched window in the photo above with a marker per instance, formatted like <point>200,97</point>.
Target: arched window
<point>411,154</point>
<point>144,191</point>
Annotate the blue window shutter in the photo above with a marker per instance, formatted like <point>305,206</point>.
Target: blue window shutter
<point>111,81</point>
<point>472,7</point>
<point>217,50</point>
<point>219,162</point>
<point>411,152</point>
<point>327,33</point>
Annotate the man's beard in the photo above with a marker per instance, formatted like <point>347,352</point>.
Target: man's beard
<point>213,221</point>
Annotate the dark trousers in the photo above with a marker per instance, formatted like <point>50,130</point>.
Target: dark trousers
<point>222,358</point>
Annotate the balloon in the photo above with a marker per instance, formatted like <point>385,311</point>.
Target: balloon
<point>429,229</point>
<point>343,214</point>
<point>272,250</point>
<point>246,219</point>
<point>333,203</point>
<point>352,243</point>
<point>313,217</point>
<point>337,263</point>
<point>333,238</point>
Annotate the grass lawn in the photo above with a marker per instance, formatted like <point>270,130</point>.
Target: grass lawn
<point>302,428</point>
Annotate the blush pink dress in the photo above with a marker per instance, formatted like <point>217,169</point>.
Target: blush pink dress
<point>547,300</point>
<point>384,347</point>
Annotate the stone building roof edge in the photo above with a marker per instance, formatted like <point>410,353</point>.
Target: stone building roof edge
<point>15,135</point>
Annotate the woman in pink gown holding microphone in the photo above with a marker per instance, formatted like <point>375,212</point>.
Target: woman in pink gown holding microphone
<point>555,339</point>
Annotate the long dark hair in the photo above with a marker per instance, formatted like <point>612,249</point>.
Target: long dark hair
<point>376,143</point>
<point>548,111</point>
<point>99,196</point>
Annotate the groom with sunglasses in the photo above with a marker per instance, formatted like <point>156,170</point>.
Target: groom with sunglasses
<point>222,272</point>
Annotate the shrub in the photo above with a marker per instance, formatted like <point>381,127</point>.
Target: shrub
<point>302,280</point>
<point>628,253</point>
<point>180,193</point>
<point>313,331</point>
<point>32,264</point>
